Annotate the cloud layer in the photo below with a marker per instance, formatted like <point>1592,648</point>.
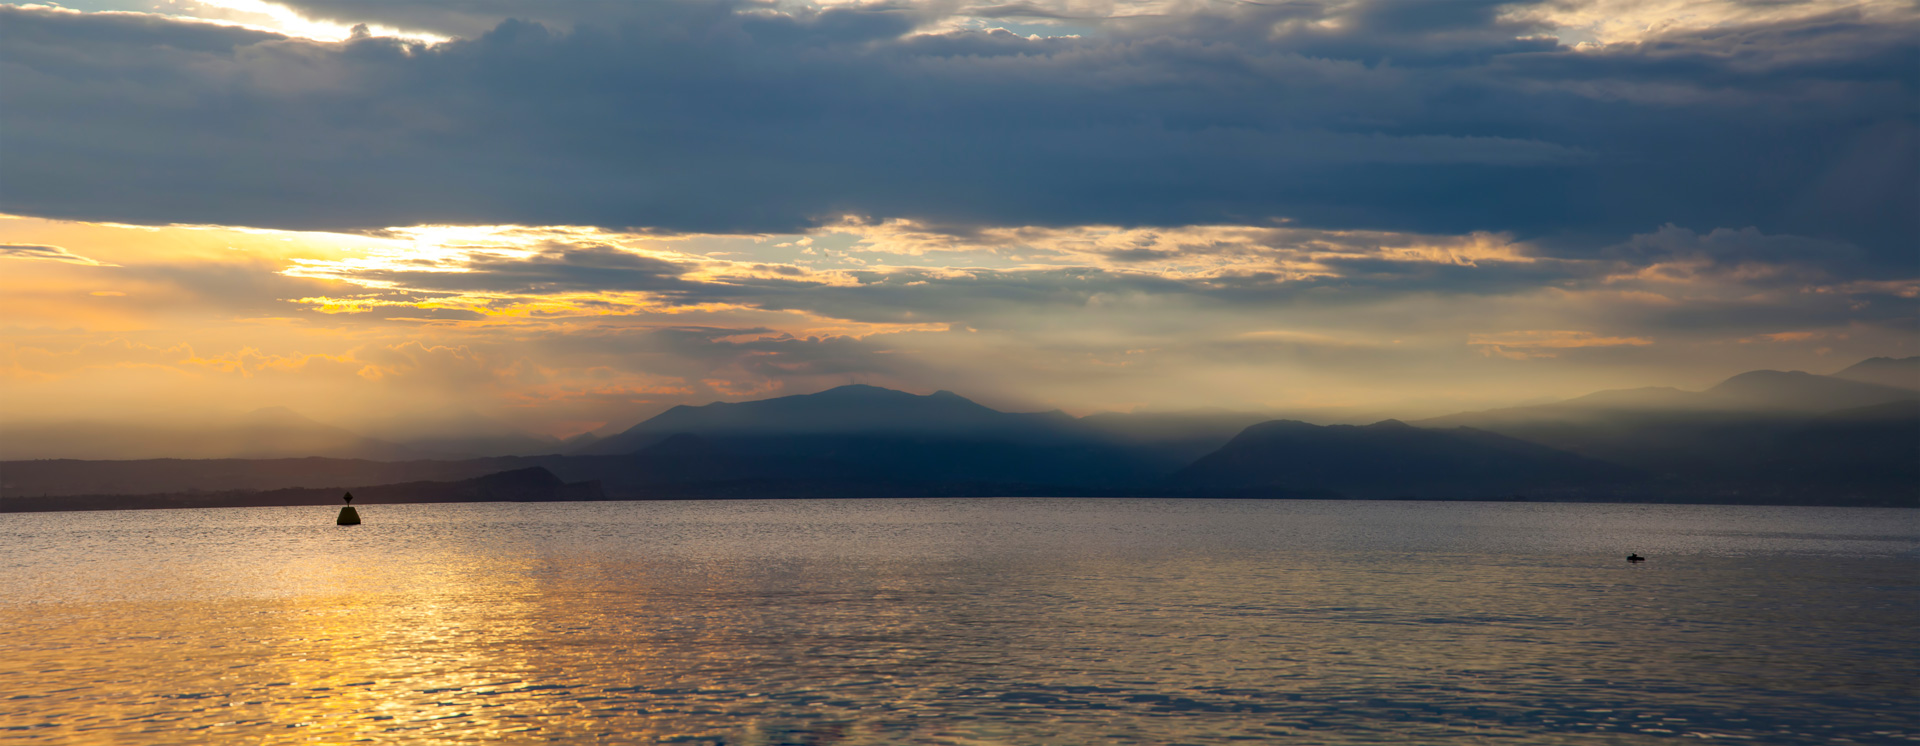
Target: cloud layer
<point>562,329</point>
<point>723,117</point>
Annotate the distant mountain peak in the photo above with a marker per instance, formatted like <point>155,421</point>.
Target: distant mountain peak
<point>1802,391</point>
<point>851,409</point>
<point>1884,360</point>
<point>1390,458</point>
<point>1901,372</point>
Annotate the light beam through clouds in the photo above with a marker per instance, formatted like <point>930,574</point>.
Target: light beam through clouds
<point>550,328</point>
<point>568,215</point>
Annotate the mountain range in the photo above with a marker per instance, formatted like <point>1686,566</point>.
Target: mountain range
<point>1391,459</point>
<point>1762,436</point>
<point>847,410</point>
<point>1761,431</point>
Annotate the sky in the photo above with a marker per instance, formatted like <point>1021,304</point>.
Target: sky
<point>567,215</point>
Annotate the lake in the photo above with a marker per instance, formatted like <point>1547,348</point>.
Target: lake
<point>990,621</point>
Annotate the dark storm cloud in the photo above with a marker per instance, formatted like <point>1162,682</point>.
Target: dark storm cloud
<point>1416,116</point>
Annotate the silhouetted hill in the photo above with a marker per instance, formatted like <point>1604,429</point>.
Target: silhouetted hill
<point>1762,435</point>
<point>1799,391</point>
<point>843,410</point>
<point>521,485</point>
<point>1764,394</point>
<point>1593,408</point>
<point>1898,372</point>
<point>1392,459</point>
<point>1759,437</point>
<point>1868,447</point>
<point>866,433</point>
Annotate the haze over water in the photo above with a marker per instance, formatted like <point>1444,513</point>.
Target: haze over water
<point>961,621</point>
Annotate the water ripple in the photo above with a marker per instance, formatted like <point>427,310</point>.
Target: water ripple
<point>961,622</point>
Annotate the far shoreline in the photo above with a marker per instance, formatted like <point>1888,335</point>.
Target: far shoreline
<point>204,501</point>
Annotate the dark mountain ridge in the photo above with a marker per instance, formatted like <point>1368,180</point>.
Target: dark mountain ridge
<point>1887,371</point>
<point>1764,436</point>
<point>1758,433</point>
<point>1760,393</point>
<point>856,408</point>
<point>1393,459</point>
<point>1799,391</point>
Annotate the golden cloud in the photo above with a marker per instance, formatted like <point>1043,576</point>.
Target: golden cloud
<point>1543,343</point>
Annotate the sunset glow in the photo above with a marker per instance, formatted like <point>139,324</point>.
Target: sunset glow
<point>1316,252</point>
<point>914,372</point>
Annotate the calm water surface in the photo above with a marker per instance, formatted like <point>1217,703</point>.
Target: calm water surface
<point>962,622</point>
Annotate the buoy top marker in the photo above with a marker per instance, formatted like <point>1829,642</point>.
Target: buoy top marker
<point>349,516</point>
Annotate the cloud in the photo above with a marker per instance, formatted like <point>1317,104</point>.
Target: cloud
<point>1431,118</point>
<point>1536,343</point>
<point>49,253</point>
<point>538,325</point>
<point>896,275</point>
<point>1789,337</point>
<point>1552,338</point>
<point>1678,254</point>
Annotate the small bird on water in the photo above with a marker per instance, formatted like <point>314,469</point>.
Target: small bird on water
<point>1635,558</point>
<point>348,516</point>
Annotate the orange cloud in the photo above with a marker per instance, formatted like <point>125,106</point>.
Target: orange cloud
<point>1788,337</point>
<point>1541,343</point>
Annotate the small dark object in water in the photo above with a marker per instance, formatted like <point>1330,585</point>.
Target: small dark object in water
<point>348,516</point>
<point>1635,558</point>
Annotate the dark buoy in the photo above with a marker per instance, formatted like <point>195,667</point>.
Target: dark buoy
<point>349,516</point>
<point>1630,557</point>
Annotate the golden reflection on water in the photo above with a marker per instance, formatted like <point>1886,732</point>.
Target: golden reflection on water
<point>421,636</point>
<point>333,668</point>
